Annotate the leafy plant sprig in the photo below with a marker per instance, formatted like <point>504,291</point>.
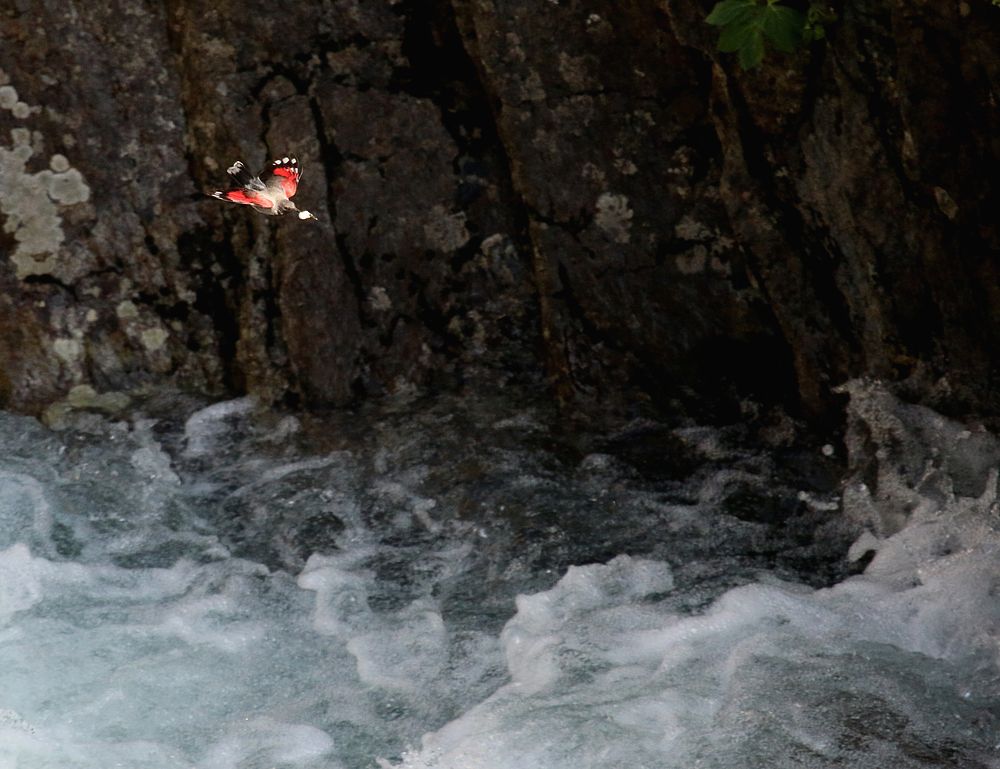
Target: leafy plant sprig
<point>817,17</point>
<point>748,26</point>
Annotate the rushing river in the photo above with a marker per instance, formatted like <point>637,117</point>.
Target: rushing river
<point>462,585</point>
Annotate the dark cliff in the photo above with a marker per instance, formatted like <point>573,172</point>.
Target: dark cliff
<point>585,193</point>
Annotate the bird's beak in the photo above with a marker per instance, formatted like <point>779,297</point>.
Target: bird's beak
<point>306,215</point>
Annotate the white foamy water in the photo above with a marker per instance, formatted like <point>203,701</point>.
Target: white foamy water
<point>448,589</point>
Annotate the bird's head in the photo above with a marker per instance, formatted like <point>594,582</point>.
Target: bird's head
<point>288,207</point>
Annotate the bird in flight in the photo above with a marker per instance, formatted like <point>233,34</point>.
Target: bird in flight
<point>271,192</point>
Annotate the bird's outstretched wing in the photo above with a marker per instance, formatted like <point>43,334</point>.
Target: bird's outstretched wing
<point>283,174</point>
<point>243,177</point>
<point>250,190</point>
<point>245,197</point>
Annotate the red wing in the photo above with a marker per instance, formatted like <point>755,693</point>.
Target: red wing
<point>284,173</point>
<point>244,197</point>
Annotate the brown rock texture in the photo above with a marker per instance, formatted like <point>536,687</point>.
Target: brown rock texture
<point>857,177</point>
<point>581,192</point>
<point>642,286</point>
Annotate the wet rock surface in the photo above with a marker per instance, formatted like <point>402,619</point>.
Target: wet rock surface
<point>582,195</point>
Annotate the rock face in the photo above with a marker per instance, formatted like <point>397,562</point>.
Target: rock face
<point>856,175</point>
<point>507,189</point>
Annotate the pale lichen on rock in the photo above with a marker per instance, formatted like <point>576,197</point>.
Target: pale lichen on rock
<point>59,163</point>
<point>30,201</point>
<point>446,232</point>
<point>378,299</point>
<point>68,350</point>
<point>155,338</point>
<point>692,262</point>
<point>83,398</point>
<point>8,97</point>
<point>126,310</point>
<point>691,229</point>
<point>614,217</point>
<point>575,71</point>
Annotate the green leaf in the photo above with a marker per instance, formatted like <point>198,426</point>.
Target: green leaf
<point>736,36</point>
<point>752,54</point>
<point>732,12</point>
<point>817,14</point>
<point>747,27</point>
<point>783,26</point>
<point>809,34</point>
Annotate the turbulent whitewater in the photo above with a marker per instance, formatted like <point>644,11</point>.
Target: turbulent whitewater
<point>461,585</point>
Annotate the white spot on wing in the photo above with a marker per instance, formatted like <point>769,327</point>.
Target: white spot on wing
<point>284,160</point>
